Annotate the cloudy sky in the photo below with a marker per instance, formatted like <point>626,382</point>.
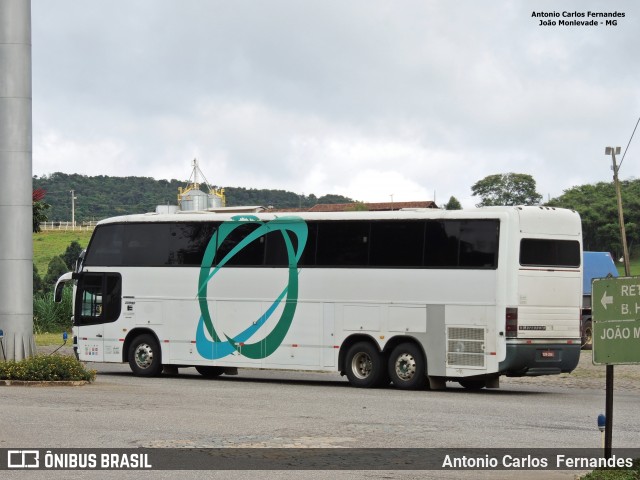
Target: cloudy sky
<point>364,98</point>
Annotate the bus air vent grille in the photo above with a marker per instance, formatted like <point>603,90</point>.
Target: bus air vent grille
<point>465,347</point>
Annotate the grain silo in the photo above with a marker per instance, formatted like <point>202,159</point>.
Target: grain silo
<point>192,198</point>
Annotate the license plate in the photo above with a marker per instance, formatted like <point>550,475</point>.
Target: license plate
<point>549,354</point>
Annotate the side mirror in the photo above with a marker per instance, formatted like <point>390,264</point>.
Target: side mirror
<point>57,295</point>
<point>57,292</point>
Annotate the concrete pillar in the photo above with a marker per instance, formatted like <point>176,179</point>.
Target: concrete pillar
<point>16,248</point>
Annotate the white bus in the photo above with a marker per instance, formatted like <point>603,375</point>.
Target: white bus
<point>416,298</point>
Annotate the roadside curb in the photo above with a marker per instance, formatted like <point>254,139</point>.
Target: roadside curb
<point>43,383</point>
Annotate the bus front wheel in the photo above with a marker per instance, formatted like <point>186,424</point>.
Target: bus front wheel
<point>365,366</point>
<point>145,357</point>
<point>407,367</point>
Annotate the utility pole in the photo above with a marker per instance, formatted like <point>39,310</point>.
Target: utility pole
<point>608,431</point>
<point>623,236</point>
<point>73,210</point>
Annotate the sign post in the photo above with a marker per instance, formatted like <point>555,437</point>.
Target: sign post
<point>615,306</point>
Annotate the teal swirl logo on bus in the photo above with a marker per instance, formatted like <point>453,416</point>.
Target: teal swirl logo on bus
<point>219,344</point>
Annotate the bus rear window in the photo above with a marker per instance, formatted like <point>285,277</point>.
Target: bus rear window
<point>549,253</point>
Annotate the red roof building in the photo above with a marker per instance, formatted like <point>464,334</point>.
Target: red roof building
<point>371,207</point>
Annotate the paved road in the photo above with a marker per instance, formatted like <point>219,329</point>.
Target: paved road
<point>291,409</point>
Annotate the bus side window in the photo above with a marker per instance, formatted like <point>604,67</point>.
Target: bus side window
<point>396,243</point>
<point>479,243</point>
<point>98,298</point>
<point>441,244</point>
<point>343,244</point>
<point>549,253</point>
<point>251,255</point>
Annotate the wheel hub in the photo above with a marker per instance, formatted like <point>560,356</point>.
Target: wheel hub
<point>405,366</point>
<point>144,356</point>
<point>362,365</point>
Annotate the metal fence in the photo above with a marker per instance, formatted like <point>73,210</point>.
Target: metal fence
<point>67,225</point>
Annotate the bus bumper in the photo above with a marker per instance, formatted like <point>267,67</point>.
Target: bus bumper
<point>540,359</point>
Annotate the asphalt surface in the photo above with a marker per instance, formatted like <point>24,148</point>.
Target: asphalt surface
<point>266,409</point>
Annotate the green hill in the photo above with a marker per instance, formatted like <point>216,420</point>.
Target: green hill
<point>52,243</point>
<point>103,196</point>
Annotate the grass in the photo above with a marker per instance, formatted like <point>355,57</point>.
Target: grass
<point>49,316</point>
<point>634,263</point>
<point>615,474</point>
<point>45,339</point>
<point>51,243</point>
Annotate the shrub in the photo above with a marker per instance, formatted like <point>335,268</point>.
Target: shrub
<point>71,254</point>
<point>37,281</point>
<point>55,269</point>
<point>632,473</point>
<point>51,317</point>
<point>46,368</point>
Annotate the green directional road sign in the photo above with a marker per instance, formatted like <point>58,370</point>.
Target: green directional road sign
<point>615,304</point>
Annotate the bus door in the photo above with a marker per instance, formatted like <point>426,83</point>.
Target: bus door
<point>98,301</point>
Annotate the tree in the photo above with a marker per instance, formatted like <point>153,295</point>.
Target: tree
<point>71,254</point>
<point>506,189</point>
<point>102,196</point>
<point>37,281</point>
<point>39,208</point>
<point>55,269</point>
<point>453,204</point>
<point>332,198</point>
<point>358,207</point>
<point>598,209</point>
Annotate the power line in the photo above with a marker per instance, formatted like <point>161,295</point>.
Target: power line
<point>625,150</point>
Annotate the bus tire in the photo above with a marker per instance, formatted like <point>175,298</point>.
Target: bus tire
<point>407,367</point>
<point>145,357</point>
<point>364,366</point>
<point>587,336</point>
<point>209,372</point>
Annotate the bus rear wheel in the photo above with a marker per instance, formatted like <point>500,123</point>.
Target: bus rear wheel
<point>365,366</point>
<point>209,372</point>
<point>587,336</point>
<point>407,367</point>
<point>145,358</point>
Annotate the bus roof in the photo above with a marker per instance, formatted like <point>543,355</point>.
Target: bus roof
<point>425,213</point>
